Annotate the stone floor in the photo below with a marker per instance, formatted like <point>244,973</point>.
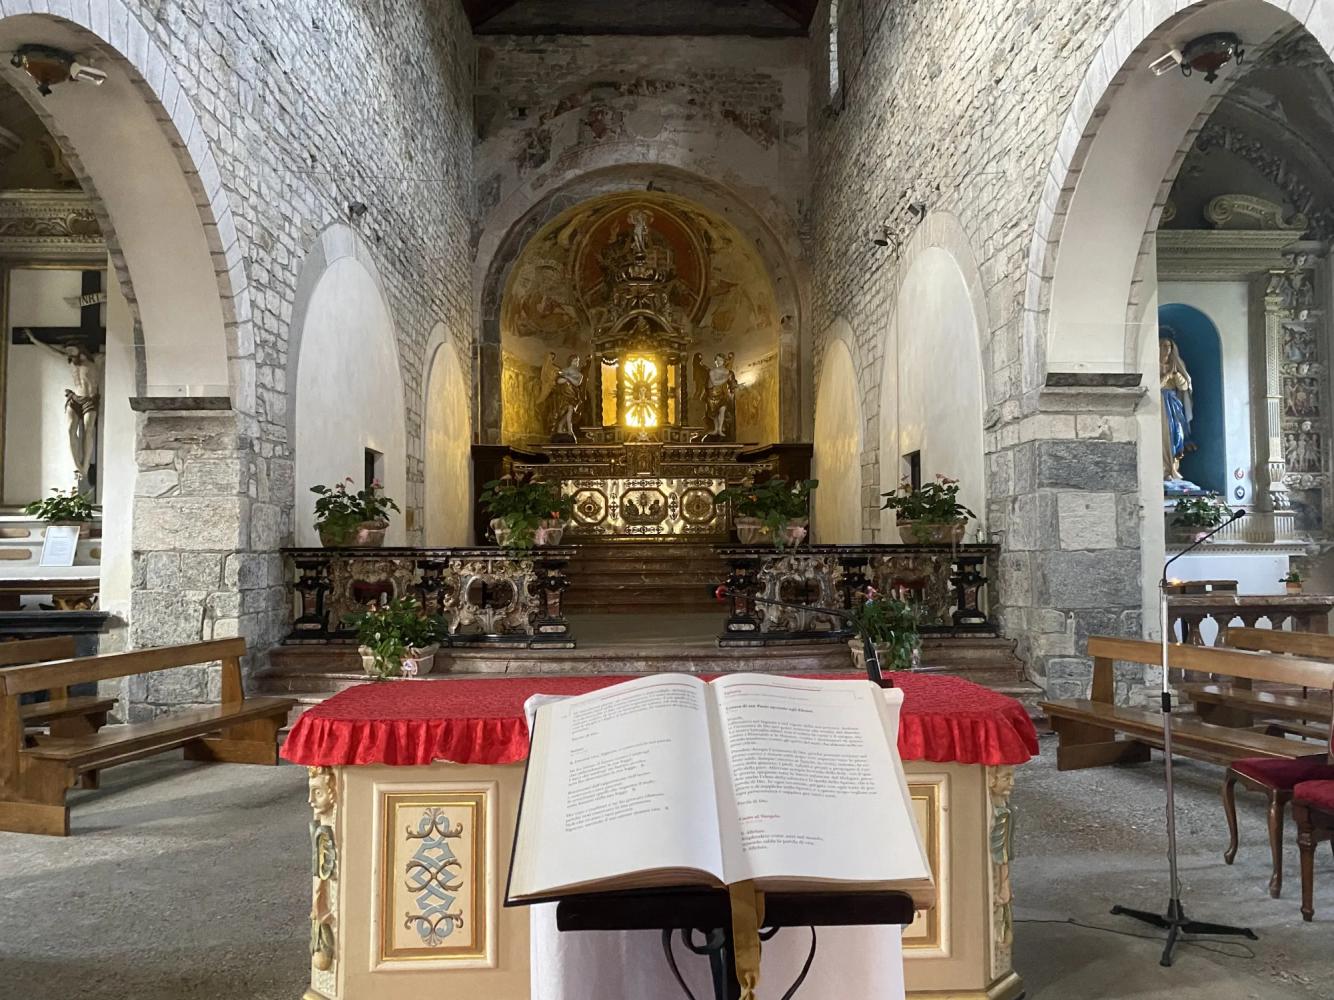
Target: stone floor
<point>186,881</point>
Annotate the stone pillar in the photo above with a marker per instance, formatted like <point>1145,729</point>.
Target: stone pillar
<point>1271,467</point>
<point>206,564</point>
<point>1065,503</point>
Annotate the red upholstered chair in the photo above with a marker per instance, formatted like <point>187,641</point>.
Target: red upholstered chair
<point>1313,809</point>
<point>1276,777</point>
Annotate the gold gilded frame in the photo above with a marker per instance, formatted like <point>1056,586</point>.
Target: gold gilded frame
<point>932,836</point>
<point>483,854</point>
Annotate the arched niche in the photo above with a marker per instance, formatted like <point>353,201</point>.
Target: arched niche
<point>770,236</point>
<point>346,383</point>
<point>932,393</point>
<point>837,460</point>
<point>448,441</point>
<point>1123,142</point>
<point>1206,461</point>
<point>561,294</point>
<point>136,144</point>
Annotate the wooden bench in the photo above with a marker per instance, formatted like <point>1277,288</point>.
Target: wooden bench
<point>35,773</point>
<point>1088,729</point>
<point>62,714</point>
<point>1236,702</point>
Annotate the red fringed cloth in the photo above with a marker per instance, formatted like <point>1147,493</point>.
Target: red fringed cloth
<point>480,721</point>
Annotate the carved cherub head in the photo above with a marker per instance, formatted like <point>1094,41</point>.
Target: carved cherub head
<point>322,796</point>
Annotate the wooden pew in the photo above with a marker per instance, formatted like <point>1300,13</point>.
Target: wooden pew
<point>1088,729</point>
<point>1235,702</point>
<point>61,713</point>
<point>34,775</point>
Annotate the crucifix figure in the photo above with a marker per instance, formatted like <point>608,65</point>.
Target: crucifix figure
<point>81,402</point>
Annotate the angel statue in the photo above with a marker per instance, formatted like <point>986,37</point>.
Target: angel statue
<point>81,402</point>
<point>1178,409</point>
<point>717,387</point>
<point>567,389</point>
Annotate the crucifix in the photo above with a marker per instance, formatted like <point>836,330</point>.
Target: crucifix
<point>80,347</point>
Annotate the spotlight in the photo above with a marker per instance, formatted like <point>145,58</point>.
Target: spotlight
<point>917,209</point>
<point>356,210</point>
<point>46,66</point>
<point>881,235</point>
<point>1210,53</point>
<point>1164,64</point>
<point>87,74</point>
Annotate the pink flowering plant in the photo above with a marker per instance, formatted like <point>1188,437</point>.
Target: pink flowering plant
<point>339,511</point>
<point>936,502</point>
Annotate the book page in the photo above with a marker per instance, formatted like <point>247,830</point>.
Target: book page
<point>619,781</point>
<point>814,787</point>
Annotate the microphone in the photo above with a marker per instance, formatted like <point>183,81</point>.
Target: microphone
<point>1237,515</point>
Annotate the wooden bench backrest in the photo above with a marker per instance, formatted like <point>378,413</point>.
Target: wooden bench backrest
<point>1209,659</point>
<point>87,669</point>
<point>56,647</point>
<point>1310,645</point>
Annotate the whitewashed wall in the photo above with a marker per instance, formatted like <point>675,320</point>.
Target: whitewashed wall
<point>448,500</point>
<point>349,395</point>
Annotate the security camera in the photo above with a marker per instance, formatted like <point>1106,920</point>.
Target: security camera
<point>86,74</point>
<point>917,209</point>
<point>356,209</point>
<point>1164,64</point>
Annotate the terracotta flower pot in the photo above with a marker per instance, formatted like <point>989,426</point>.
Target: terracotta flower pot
<point>884,653</point>
<point>793,533</point>
<point>1294,588</point>
<point>933,532</point>
<point>366,535</point>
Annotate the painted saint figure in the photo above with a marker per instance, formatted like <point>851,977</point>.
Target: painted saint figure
<point>717,387</point>
<point>566,390</point>
<point>1178,407</point>
<point>81,402</point>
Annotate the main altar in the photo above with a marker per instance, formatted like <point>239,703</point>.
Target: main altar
<point>414,792</point>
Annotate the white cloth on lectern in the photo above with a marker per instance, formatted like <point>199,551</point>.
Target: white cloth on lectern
<point>851,963</point>
<point>865,963</point>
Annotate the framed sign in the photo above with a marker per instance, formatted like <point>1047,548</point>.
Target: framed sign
<point>60,544</point>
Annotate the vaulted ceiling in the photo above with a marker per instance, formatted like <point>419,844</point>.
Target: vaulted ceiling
<point>640,17</point>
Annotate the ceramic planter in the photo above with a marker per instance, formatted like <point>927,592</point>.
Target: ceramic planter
<point>366,535</point>
<point>793,533</point>
<point>1294,588</point>
<point>550,532</point>
<point>751,531</point>
<point>417,663</point>
<point>933,532</point>
<point>884,653</point>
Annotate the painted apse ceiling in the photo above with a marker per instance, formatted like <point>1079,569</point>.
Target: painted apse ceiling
<point>721,296</point>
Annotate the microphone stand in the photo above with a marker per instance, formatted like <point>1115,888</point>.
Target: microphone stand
<point>873,672</point>
<point>1175,921</point>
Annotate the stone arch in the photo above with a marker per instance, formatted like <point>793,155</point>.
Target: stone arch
<point>515,222</point>
<point>138,145</point>
<point>837,462</point>
<point>447,439</point>
<point>344,379</point>
<point>938,333</point>
<point>1118,153</point>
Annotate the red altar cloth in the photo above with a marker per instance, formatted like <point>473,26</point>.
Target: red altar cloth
<point>480,721</point>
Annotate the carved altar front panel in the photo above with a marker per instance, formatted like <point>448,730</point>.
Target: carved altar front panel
<point>437,877</point>
<point>929,931</point>
<point>647,507</point>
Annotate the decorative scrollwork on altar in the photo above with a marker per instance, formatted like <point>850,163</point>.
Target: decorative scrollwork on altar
<point>1000,783</point>
<point>323,798</point>
<point>799,579</point>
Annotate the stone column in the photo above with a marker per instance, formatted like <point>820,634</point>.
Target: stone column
<point>1271,467</point>
<point>206,564</point>
<point>1064,499</point>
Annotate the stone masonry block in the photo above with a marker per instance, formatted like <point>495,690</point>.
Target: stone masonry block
<point>188,523</point>
<point>1109,578</point>
<point>1087,520</point>
<point>1096,466</point>
<point>165,618</point>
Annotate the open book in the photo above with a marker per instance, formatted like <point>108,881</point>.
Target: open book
<point>673,781</point>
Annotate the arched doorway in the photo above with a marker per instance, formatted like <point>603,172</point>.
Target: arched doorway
<point>177,324</point>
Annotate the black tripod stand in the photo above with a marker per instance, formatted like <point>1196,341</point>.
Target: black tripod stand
<point>1174,921</point>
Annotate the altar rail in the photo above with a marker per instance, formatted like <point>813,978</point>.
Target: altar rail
<point>949,583</point>
<point>483,595</point>
<point>1304,612</point>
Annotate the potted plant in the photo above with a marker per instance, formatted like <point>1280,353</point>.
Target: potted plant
<point>775,509</point>
<point>64,507</point>
<point>891,623</point>
<point>1293,582</point>
<point>1195,515</point>
<point>930,513</point>
<point>526,511</point>
<point>396,639</point>
<point>352,520</point>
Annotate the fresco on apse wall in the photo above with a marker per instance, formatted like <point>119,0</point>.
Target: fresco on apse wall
<point>558,294</point>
